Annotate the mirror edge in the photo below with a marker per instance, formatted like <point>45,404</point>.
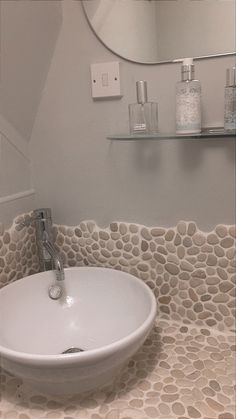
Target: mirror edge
<point>176,60</point>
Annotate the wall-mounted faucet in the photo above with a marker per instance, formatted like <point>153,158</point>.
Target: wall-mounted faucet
<point>49,258</point>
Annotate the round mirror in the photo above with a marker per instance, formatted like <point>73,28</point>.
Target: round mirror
<point>152,31</point>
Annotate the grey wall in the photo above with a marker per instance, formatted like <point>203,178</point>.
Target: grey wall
<point>82,175</point>
<point>28,32</point>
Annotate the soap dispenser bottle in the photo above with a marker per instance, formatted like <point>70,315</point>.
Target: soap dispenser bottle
<point>188,101</point>
<point>143,115</point>
<point>230,100</point>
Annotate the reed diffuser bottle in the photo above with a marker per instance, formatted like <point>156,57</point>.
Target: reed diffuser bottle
<point>143,115</point>
<point>188,101</point>
<point>230,100</point>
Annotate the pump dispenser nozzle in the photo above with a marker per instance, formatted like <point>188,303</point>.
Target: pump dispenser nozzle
<point>187,70</point>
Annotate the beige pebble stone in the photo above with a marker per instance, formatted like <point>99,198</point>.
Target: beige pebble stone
<point>210,271</point>
<point>211,260</point>
<point>193,250</point>
<point>123,229</point>
<point>223,262</point>
<point>155,232</point>
<point>170,247</point>
<point>187,242</point>
<point>222,273</point>
<point>226,415</point>
<point>6,238</point>
<point>182,228</point>
<point>199,273</point>
<point>212,239</point>
<point>225,286</point>
<point>135,240</point>
<point>185,276</point>
<point>227,242</point>
<point>193,295</point>
<point>170,389</point>
<point>178,408</point>
<point>191,229</point>
<point>214,405</point>
<point>115,236</point>
<point>199,239</point>
<point>169,235</point>
<point>146,234</point>
<point>223,399</point>
<point>144,245</point>
<point>232,231</point>
<point>193,413</point>
<point>221,230</point>
<point>177,240</point>
<point>201,258</point>
<point>186,266</point>
<point>219,251</point>
<point>163,408</point>
<point>172,268</point>
<point>113,414</point>
<point>180,252</point>
<point>204,408</point>
<point>173,259</point>
<point>159,258</point>
<point>221,298</point>
<point>168,398</point>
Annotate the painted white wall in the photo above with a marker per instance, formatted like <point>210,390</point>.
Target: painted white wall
<point>16,191</point>
<point>81,175</point>
<point>28,32</point>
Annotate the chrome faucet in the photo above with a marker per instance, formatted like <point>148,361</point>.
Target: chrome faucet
<point>49,258</point>
<point>58,265</point>
<point>48,255</point>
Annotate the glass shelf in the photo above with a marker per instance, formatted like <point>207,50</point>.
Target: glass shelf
<point>206,133</point>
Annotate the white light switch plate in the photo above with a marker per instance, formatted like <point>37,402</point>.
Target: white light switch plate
<point>105,80</point>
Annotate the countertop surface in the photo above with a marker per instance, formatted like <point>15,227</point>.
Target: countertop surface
<point>181,372</point>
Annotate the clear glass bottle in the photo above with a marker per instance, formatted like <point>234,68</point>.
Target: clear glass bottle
<point>230,100</point>
<point>188,101</point>
<point>143,115</point>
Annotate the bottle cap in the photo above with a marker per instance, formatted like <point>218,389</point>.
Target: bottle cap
<point>141,87</point>
<point>187,70</point>
<point>231,76</point>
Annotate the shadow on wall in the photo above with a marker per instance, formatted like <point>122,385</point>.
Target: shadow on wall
<point>28,32</point>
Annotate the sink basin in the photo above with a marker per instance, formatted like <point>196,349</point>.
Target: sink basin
<point>104,312</point>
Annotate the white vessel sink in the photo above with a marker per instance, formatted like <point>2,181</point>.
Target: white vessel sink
<point>105,312</point>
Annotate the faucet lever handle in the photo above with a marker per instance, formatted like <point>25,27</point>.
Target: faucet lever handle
<point>40,214</point>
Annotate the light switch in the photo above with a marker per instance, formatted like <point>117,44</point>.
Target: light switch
<point>105,80</point>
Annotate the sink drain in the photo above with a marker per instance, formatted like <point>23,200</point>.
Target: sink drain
<point>72,350</point>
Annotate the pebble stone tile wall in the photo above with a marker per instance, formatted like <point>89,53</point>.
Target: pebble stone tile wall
<point>18,252</point>
<point>192,274</point>
<point>186,368</point>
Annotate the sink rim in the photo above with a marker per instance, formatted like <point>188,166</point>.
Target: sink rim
<point>91,354</point>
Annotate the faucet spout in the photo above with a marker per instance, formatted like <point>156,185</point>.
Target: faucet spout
<point>57,261</point>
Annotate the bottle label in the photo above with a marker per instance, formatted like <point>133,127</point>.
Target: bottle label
<point>230,108</point>
<point>140,127</point>
<point>188,108</point>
